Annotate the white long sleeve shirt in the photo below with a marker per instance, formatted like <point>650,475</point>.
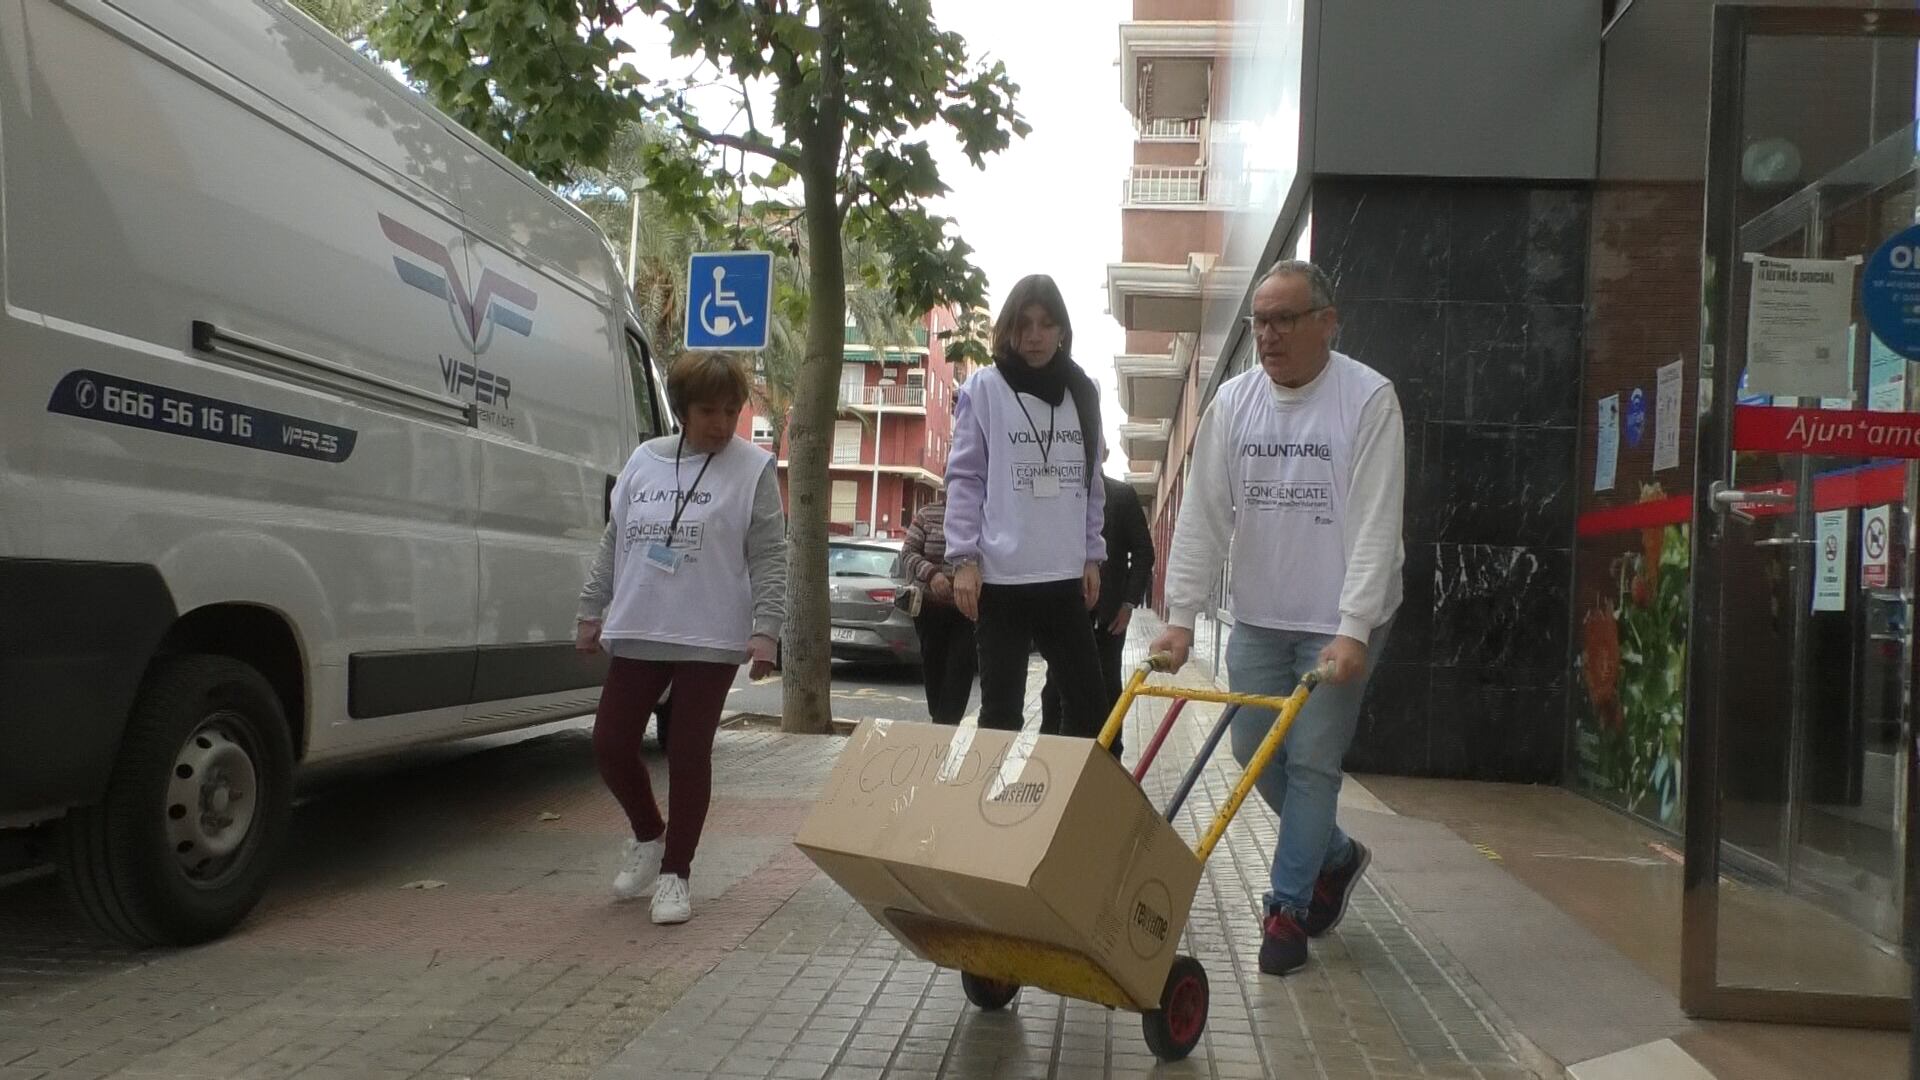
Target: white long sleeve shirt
<point>1356,425</point>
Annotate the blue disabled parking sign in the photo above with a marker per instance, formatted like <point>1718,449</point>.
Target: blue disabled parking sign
<point>729,299</point>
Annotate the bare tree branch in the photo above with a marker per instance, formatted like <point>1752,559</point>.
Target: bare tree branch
<point>753,142</point>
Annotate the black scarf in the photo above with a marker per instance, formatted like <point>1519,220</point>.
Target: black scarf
<point>1052,383</point>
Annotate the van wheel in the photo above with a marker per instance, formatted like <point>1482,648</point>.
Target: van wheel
<point>180,848</point>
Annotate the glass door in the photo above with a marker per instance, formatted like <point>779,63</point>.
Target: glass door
<point>1801,657</point>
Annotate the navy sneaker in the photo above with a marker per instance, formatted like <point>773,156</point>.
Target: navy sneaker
<point>1332,889</point>
<point>1283,948</point>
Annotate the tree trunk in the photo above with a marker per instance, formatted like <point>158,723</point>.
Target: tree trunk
<point>808,663</point>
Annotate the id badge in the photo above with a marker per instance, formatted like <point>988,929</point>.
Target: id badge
<point>663,558</point>
<point>1046,484</point>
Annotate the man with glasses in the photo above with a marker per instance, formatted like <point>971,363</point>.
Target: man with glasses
<point>1300,465</point>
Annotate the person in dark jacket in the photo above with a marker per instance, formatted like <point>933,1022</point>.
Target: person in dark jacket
<point>1125,579</point>
<point>947,656</point>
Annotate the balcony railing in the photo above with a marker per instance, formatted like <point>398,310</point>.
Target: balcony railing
<point>1165,185</point>
<point>893,397</point>
<point>1168,130</point>
<point>920,458</point>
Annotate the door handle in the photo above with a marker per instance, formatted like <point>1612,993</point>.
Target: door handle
<point>1782,541</point>
<point>1726,498</point>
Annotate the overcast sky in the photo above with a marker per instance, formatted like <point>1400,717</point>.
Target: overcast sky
<point>1050,204</point>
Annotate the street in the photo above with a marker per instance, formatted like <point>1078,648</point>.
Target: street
<point>860,691</point>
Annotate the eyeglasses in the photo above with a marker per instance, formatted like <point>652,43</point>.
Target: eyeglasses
<point>1279,324</point>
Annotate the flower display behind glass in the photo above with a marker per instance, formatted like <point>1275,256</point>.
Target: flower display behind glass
<point>1633,660</point>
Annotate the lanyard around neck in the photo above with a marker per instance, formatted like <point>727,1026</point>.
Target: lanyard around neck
<point>681,499</point>
<point>1053,412</point>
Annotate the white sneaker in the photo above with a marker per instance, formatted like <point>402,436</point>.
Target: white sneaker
<point>671,902</point>
<point>639,866</point>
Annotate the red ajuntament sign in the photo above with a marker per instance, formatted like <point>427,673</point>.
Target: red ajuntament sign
<point>1852,433</point>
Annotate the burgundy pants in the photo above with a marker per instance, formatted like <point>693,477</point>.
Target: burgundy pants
<point>633,688</point>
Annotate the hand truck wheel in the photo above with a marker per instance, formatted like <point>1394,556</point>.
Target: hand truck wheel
<point>1175,1028</point>
<point>990,995</point>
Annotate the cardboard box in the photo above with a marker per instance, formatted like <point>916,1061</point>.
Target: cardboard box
<point>1013,855</point>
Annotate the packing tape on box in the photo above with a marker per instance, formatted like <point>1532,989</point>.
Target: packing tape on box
<point>958,748</point>
<point>1015,762</point>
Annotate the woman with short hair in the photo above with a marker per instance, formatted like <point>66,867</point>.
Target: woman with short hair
<point>690,583</point>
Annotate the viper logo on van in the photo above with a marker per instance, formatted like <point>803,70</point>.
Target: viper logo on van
<point>497,300</point>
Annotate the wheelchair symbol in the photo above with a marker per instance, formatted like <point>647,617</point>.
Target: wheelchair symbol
<point>720,325</point>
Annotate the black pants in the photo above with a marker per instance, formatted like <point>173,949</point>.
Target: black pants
<point>1052,615</point>
<point>1110,646</point>
<point>947,660</point>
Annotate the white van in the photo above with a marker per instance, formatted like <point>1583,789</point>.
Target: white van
<point>310,404</point>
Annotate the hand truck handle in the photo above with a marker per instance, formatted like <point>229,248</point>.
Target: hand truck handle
<point>1285,710</point>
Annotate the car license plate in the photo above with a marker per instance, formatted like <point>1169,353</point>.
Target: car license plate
<point>841,633</point>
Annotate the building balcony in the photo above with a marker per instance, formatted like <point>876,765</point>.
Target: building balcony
<point>1163,297</point>
<point>1145,441</point>
<point>921,467</point>
<point>1170,130</point>
<point>1146,482</point>
<point>1150,386</point>
<point>867,354</point>
<point>906,399</point>
<point>1166,68</point>
<point>1165,186</point>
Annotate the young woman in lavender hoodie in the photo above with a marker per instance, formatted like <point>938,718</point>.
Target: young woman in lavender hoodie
<point>1025,507</point>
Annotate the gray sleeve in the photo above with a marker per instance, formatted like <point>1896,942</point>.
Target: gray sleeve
<point>598,592</point>
<point>767,555</point>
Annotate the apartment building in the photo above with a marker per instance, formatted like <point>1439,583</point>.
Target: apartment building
<point>893,431</point>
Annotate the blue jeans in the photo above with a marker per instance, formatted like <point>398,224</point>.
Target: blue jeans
<point>1302,783</point>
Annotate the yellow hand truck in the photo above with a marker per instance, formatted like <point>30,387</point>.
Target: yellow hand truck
<point>1174,1024</point>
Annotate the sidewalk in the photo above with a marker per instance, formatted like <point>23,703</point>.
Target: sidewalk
<point>1577,936</point>
<point>820,991</point>
<point>449,917</point>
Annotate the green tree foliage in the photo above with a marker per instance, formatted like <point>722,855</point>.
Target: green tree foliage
<point>854,85</point>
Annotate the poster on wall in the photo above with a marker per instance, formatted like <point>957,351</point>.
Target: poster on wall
<point>1876,568</point>
<point>1890,292</point>
<point>1886,377</point>
<point>1797,326</point>
<point>1636,425</point>
<point>1607,461</point>
<point>1830,561</point>
<point>1666,418</point>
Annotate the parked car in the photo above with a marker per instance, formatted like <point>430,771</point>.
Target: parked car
<point>866,625</point>
<point>313,404</point>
